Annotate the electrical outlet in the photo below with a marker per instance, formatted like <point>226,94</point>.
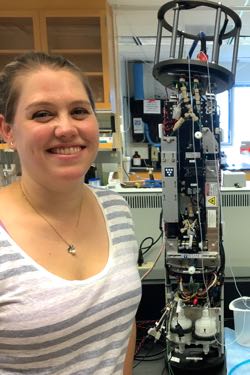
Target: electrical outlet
<point>146,266</point>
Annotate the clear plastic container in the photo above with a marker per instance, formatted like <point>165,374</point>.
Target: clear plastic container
<point>241,311</point>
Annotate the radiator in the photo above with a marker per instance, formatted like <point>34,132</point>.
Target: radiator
<point>146,209</point>
<point>235,212</point>
<point>236,229</point>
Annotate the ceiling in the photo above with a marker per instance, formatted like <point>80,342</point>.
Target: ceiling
<point>137,19</point>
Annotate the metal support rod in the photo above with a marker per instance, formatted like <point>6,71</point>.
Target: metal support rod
<point>158,43</point>
<point>235,51</point>
<point>216,47</point>
<point>174,33</point>
<point>181,47</point>
<point>222,339</point>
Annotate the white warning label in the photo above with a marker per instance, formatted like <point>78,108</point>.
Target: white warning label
<point>211,218</point>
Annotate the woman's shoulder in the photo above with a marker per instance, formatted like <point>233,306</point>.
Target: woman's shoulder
<point>109,195</point>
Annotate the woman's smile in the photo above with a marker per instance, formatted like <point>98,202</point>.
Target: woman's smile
<point>66,150</point>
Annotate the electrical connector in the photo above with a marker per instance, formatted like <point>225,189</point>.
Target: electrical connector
<point>154,333</point>
<point>140,259</point>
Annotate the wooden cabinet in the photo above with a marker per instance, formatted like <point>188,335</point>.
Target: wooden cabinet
<point>81,30</point>
<point>80,36</point>
<point>18,34</point>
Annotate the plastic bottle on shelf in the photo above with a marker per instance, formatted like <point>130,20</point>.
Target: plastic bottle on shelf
<point>136,158</point>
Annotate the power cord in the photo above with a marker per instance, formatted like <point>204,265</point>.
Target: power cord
<point>141,253</point>
<point>157,333</point>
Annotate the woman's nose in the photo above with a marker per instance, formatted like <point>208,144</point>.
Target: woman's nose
<point>65,128</point>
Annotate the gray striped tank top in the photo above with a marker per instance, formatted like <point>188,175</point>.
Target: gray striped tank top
<point>49,325</point>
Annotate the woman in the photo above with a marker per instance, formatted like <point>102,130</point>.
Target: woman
<point>68,278</point>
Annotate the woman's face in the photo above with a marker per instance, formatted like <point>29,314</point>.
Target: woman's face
<point>55,130</point>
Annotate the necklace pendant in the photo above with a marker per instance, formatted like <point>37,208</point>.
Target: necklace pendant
<point>71,249</point>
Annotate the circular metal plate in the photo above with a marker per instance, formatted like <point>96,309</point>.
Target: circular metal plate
<point>212,77</point>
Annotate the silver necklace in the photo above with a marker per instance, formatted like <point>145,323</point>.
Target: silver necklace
<point>71,249</point>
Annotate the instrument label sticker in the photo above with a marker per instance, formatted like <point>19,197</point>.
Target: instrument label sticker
<point>211,218</point>
<point>211,201</point>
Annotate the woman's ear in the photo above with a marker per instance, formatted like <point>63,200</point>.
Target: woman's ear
<point>6,132</point>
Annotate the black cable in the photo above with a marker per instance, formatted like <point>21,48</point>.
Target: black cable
<point>153,242</point>
<point>151,245</point>
<point>141,254</point>
<point>222,258</point>
<point>124,170</point>
<point>146,359</point>
<point>222,32</point>
<point>140,259</point>
<point>144,240</point>
<point>149,357</point>
<point>137,364</point>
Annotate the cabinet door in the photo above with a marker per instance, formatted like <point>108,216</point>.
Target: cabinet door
<point>79,37</point>
<point>19,33</point>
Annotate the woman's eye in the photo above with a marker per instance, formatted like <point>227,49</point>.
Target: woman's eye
<point>80,113</point>
<point>42,116</point>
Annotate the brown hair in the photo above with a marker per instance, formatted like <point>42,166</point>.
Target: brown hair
<point>29,62</point>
